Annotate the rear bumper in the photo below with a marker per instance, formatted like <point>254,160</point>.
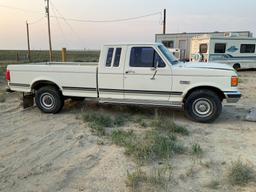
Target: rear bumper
<point>233,97</point>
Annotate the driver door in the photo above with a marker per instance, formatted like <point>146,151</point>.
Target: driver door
<point>146,76</point>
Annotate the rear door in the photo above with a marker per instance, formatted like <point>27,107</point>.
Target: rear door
<point>141,81</point>
<point>110,80</point>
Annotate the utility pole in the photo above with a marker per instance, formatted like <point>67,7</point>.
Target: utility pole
<point>47,9</point>
<point>28,39</point>
<point>164,22</point>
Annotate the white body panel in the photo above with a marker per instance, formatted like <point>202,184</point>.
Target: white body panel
<point>123,83</point>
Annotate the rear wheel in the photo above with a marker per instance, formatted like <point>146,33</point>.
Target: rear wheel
<point>203,106</point>
<point>49,99</point>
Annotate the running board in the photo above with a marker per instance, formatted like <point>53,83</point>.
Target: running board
<point>143,102</point>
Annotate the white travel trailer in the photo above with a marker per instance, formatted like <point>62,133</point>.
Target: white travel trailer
<point>234,50</point>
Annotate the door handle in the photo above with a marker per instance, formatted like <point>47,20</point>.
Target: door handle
<point>130,72</point>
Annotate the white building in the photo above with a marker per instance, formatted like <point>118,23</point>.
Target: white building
<point>182,41</point>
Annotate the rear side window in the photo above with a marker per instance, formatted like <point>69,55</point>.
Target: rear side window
<point>220,48</point>
<point>109,57</point>
<point>247,48</point>
<point>145,57</point>
<point>117,57</point>
<point>203,48</point>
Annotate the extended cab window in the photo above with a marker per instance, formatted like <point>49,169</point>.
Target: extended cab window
<point>117,57</point>
<point>109,57</point>
<point>220,48</point>
<point>145,57</point>
<point>247,48</point>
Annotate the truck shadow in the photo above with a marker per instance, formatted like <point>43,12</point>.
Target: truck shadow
<point>228,115</point>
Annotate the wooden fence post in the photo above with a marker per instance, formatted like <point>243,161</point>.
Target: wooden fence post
<point>64,55</point>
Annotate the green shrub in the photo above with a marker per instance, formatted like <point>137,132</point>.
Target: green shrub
<point>169,125</point>
<point>151,146</point>
<point>240,173</point>
<point>122,138</point>
<point>197,150</point>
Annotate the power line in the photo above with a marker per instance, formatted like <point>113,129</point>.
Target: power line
<point>36,21</point>
<point>110,21</point>
<point>19,9</point>
<point>67,23</point>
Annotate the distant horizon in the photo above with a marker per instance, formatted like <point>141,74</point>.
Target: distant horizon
<point>80,25</point>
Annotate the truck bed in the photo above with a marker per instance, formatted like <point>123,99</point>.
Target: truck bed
<point>74,79</point>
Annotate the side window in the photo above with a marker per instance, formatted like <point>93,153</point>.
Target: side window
<point>145,57</point>
<point>109,57</point>
<point>220,48</point>
<point>247,48</point>
<point>117,57</point>
<point>203,48</point>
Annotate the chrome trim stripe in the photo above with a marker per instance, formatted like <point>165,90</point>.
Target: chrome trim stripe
<point>124,91</point>
<point>79,89</point>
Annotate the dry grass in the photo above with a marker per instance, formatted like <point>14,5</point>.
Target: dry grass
<point>157,178</point>
<point>240,173</point>
<point>2,97</point>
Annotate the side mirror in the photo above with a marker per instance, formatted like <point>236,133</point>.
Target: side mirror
<point>155,67</point>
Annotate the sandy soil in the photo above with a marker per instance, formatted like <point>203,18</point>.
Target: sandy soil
<point>40,152</point>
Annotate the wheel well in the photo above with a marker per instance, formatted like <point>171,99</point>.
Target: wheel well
<point>37,85</point>
<point>214,89</point>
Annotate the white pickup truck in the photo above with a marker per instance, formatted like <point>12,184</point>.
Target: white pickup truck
<point>140,74</point>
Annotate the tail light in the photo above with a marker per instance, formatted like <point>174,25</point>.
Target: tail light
<point>234,81</point>
<point>8,75</point>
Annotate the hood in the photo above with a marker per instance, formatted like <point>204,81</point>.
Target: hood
<point>203,65</point>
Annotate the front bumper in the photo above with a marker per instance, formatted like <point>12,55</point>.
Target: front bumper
<point>233,96</point>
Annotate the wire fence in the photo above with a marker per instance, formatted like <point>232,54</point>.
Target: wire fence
<point>43,56</point>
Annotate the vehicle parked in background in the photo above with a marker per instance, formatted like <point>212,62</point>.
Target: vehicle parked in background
<point>137,74</point>
<point>239,52</point>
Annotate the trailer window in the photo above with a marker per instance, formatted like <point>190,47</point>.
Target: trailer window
<point>117,57</point>
<point>220,48</point>
<point>145,57</point>
<point>203,48</point>
<point>109,57</point>
<point>168,44</point>
<point>247,48</point>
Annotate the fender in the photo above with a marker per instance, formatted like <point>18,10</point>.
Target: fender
<point>198,85</point>
<point>44,79</point>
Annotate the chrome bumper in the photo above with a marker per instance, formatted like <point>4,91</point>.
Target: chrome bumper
<point>233,97</point>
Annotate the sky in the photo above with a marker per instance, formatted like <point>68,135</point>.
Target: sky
<point>182,16</point>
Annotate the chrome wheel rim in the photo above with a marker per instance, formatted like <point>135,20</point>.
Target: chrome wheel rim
<point>202,107</point>
<point>47,101</point>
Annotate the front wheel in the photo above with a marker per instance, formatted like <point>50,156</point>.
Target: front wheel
<point>203,106</point>
<point>49,99</point>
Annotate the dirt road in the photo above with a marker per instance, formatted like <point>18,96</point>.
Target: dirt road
<point>44,153</point>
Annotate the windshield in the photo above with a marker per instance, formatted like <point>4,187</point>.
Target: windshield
<point>169,56</point>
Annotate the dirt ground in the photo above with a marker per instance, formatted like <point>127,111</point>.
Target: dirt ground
<point>47,153</point>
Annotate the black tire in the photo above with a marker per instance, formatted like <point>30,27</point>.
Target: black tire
<point>237,66</point>
<point>203,106</point>
<point>49,99</point>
